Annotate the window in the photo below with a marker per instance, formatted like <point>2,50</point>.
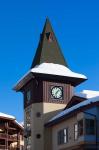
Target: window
<point>90,126</point>
<point>49,36</point>
<point>28,143</point>
<point>80,128</point>
<point>63,136</point>
<point>28,119</point>
<point>75,131</point>
<point>28,95</point>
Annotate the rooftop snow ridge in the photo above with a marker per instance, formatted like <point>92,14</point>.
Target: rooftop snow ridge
<point>3,115</point>
<point>6,116</point>
<point>20,124</point>
<point>56,69</point>
<point>87,93</point>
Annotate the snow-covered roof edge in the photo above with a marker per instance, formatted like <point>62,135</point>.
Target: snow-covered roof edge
<point>56,69</point>
<point>49,69</point>
<point>87,94</point>
<point>3,115</point>
<point>19,124</point>
<point>6,116</point>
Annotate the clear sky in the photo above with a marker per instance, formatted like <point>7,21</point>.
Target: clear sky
<point>76,25</point>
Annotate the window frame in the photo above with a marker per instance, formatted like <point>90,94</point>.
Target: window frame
<point>81,128</point>
<point>75,132</point>
<point>28,95</point>
<point>28,143</point>
<point>28,119</point>
<point>89,128</point>
<point>62,136</point>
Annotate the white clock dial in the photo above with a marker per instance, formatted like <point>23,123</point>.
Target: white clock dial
<point>57,92</point>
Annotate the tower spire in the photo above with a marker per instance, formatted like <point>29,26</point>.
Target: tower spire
<point>48,49</point>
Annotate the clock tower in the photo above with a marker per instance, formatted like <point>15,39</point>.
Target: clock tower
<point>46,88</point>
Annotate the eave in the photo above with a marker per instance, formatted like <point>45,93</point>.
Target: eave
<point>47,77</point>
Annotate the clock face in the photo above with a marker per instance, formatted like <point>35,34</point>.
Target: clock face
<point>57,92</point>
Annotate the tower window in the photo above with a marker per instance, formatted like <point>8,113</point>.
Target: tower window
<point>28,95</point>
<point>28,143</point>
<point>49,36</point>
<point>28,119</point>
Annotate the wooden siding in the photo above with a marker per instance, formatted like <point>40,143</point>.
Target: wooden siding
<point>36,88</point>
<point>40,92</point>
<point>67,92</point>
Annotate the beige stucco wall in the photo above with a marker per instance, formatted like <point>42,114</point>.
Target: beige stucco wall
<point>69,123</point>
<point>47,110</point>
<point>51,109</point>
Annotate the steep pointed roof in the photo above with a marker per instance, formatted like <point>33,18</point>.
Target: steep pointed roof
<point>48,48</point>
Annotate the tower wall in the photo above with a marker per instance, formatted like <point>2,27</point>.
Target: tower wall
<point>39,114</point>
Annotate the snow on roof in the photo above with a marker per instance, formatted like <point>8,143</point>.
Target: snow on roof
<point>69,110</point>
<point>48,68</point>
<point>20,124</point>
<point>2,115</point>
<point>56,69</point>
<point>88,94</point>
<point>6,116</point>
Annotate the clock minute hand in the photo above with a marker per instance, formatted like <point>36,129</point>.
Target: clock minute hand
<point>57,91</point>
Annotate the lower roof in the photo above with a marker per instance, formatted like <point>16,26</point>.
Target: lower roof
<point>62,115</point>
<point>10,118</point>
<point>3,115</point>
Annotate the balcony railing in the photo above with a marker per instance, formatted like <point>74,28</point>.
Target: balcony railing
<point>9,137</point>
<point>3,147</point>
<point>4,126</point>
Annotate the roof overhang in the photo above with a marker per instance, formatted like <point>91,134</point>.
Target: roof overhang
<point>47,77</point>
<point>74,101</point>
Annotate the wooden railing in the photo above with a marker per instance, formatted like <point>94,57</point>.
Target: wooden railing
<point>4,126</point>
<point>3,147</point>
<point>10,137</point>
<point>3,135</point>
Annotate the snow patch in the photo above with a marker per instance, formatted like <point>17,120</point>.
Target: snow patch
<point>56,69</point>
<point>88,94</point>
<point>6,116</point>
<point>20,124</point>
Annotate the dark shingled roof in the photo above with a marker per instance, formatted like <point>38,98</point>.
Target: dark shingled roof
<point>48,48</point>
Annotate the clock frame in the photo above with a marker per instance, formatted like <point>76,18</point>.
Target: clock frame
<point>56,92</point>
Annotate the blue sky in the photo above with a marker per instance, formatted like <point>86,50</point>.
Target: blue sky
<point>76,25</point>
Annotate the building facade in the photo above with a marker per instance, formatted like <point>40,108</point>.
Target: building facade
<point>78,130</point>
<point>48,89</point>
<point>11,133</point>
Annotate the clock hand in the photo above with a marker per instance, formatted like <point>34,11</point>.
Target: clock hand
<point>57,92</point>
